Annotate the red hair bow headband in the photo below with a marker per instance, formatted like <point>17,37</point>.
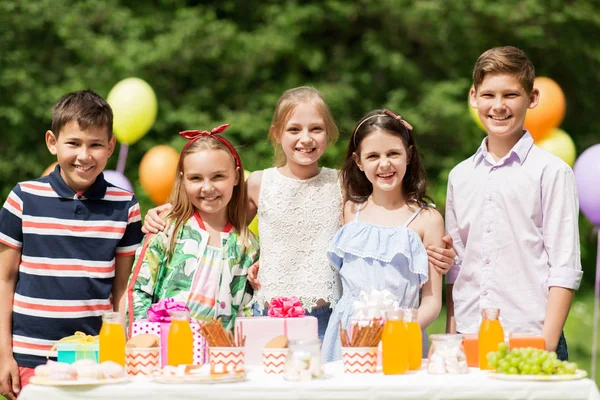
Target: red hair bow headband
<point>194,135</point>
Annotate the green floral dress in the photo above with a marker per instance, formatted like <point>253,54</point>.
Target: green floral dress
<point>153,279</point>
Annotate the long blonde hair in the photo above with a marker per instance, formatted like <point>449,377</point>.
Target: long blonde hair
<point>286,105</point>
<point>183,209</point>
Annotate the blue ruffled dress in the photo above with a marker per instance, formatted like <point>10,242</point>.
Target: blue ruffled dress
<point>371,257</point>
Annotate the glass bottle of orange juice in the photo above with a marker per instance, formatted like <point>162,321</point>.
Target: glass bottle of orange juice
<point>112,339</point>
<point>490,335</point>
<point>414,339</point>
<point>394,348</point>
<point>180,342</point>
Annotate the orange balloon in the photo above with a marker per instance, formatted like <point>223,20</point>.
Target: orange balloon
<point>550,111</point>
<point>49,169</point>
<point>157,172</point>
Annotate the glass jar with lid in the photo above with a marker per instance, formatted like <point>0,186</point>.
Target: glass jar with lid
<point>447,355</point>
<point>304,361</point>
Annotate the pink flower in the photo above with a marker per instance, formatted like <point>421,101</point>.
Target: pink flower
<point>160,312</point>
<point>286,307</point>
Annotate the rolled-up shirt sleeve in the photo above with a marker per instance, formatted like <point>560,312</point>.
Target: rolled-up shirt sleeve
<point>561,228</point>
<point>452,230</point>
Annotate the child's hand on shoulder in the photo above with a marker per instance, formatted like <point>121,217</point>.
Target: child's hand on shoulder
<point>442,258</point>
<point>253,275</point>
<point>153,223</point>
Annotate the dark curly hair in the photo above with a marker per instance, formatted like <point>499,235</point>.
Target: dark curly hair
<point>357,187</point>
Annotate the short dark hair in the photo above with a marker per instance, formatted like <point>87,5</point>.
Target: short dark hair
<point>505,60</point>
<point>84,106</point>
<point>356,185</point>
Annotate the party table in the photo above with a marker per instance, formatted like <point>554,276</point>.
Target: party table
<point>417,385</point>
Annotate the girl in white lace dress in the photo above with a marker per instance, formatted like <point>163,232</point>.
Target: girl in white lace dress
<point>299,206</point>
<point>387,223</point>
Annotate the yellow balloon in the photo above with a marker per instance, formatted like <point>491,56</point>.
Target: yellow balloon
<point>474,115</point>
<point>559,143</point>
<point>134,107</point>
<point>253,226</point>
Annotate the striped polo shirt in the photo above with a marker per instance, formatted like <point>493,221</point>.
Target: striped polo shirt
<point>68,243</point>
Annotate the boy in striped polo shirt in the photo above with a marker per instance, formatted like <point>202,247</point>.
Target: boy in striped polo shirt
<point>67,242</point>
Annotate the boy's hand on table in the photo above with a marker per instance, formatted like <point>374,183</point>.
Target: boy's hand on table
<point>10,383</point>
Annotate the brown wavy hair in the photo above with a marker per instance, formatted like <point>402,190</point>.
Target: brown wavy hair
<point>286,105</point>
<point>183,209</point>
<point>357,187</point>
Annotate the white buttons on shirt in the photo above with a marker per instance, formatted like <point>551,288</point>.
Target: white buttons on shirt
<point>487,261</point>
<point>489,197</point>
<point>486,292</point>
<point>488,229</point>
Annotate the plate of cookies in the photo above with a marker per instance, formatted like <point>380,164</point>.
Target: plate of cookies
<point>195,374</point>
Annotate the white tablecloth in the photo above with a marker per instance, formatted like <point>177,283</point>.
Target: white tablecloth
<point>418,385</point>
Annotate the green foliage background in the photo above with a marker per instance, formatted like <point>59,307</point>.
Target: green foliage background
<point>211,62</point>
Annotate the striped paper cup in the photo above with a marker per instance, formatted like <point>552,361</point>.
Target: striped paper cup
<point>224,360</point>
<point>359,360</point>
<point>274,360</point>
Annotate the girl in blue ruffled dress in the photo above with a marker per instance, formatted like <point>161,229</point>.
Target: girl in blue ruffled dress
<point>388,225</point>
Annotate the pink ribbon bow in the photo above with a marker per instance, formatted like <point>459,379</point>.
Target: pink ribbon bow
<point>286,307</point>
<point>160,312</point>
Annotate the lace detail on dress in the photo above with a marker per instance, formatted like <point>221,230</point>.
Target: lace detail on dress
<point>296,220</point>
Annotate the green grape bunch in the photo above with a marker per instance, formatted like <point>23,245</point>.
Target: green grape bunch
<point>528,361</point>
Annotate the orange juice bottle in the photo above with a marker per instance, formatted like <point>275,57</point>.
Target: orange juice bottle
<point>490,335</point>
<point>394,358</point>
<point>414,340</point>
<point>180,342</point>
<point>112,339</point>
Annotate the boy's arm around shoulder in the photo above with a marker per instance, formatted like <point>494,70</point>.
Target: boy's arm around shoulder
<point>431,292</point>
<point>9,270</point>
<point>560,213</point>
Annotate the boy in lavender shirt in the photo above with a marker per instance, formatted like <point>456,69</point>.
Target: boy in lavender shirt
<point>512,212</point>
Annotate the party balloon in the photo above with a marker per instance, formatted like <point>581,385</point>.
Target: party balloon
<point>134,107</point>
<point>49,169</point>
<point>587,176</point>
<point>157,172</point>
<point>474,115</point>
<point>253,226</point>
<point>550,110</point>
<point>118,179</point>
<point>559,143</point>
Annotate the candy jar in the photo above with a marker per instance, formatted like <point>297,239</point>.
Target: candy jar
<point>304,361</point>
<point>447,355</point>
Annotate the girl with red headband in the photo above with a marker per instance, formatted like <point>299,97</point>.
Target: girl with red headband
<point>203,255</point>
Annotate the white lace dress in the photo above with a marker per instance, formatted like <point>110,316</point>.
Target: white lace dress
<point>296,221</point>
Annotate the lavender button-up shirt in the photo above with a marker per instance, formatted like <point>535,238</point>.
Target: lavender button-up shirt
<point>515,231</point>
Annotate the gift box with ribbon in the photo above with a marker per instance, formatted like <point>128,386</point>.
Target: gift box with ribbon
<point>159,322</point>
<point>77,347</point>
<point>285,317</point>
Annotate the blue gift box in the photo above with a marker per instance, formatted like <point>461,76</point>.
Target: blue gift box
<point>71,352</point>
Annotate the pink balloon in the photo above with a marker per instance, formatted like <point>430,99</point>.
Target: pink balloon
<point>117,179</point>
<point>587,176</point>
